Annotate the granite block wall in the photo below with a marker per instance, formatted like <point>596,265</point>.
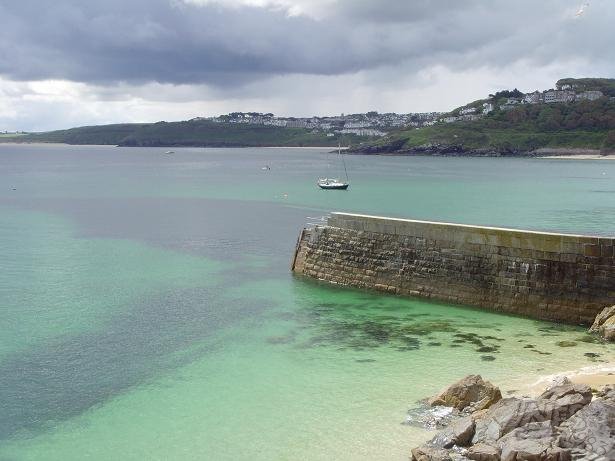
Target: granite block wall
<point>567,278</point>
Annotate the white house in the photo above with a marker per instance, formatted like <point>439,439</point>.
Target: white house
<point>487,107</point>
<point>533,98</point>
<point>467,110</point>
<point>590,95</point>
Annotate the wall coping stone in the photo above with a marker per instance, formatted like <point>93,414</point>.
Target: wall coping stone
<point>467,226</point>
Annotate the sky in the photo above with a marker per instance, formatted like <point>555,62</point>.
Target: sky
<point>81,62</point>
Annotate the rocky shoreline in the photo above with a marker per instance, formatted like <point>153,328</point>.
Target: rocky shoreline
<point>565,422</point>
<point>397,147</point>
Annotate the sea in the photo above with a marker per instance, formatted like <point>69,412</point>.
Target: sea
<point>147,309</point>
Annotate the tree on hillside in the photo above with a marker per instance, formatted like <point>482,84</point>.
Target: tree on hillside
<point>507,94</point>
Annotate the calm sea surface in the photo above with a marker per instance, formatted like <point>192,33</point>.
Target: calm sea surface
<point>147,310</point>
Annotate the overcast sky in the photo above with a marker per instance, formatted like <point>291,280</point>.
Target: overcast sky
<point>76,62</point>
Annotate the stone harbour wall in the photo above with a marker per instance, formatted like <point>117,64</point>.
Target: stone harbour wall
<point>559,277</point>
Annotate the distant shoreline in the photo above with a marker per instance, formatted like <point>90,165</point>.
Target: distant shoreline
<point>580,157</point>
<point>12,143</point>
<point>543,153</point>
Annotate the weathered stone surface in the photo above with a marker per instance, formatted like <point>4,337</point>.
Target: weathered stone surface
<point>607,392</point>
<point>567,388</point>
<point>459,433</point>
<point>470,391</point>
<point>541,275</point>
<point>591,431</point>
<point>605,314</point>
<point>555,406</point>
<point>428,453</point>
<point>483,452</point>
<point>604,324</point>
<point>561,402</point>
<point>531,442</point>
<point>504,416</point>
<point>562,424</point>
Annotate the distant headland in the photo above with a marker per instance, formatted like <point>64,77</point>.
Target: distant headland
<point>577,116</point>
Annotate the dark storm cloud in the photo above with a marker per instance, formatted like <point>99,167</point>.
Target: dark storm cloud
<point>171,41</point>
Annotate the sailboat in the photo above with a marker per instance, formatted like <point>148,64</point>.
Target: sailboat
<point>335,183</point>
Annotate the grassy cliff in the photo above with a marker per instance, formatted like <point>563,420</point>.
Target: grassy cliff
<point>519,130</point>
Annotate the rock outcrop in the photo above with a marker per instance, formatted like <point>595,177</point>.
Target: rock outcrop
<point>591,430</point>
<point>604,324</point>
<point>471,391</point>
<point>459,433</point>
<point>562,424</point>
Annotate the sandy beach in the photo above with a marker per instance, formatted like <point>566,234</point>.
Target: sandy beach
<point>594,376</point>
<point>580,157</point>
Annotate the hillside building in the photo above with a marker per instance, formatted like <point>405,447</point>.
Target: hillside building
<point>467,111</point>
<point>590,95</point>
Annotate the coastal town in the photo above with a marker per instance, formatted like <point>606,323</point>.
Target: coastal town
<point>372,124</point>
<point>563,93</point>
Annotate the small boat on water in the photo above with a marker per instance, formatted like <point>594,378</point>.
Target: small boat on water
<point>328,183</point>
<point>335,183</point>
<point>169,152</point>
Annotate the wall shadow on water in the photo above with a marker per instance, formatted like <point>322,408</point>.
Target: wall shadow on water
<point>60,380</point>
<point>349,319</point>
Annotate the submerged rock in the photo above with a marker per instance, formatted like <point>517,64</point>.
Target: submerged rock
<point>431,417</point>
<point>604,324</point>
<point>471,391</point>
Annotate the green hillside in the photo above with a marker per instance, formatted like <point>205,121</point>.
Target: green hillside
<point>517,130</point>
<point>196,132</point>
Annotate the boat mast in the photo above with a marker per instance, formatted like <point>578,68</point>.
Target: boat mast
<point>339,151</point>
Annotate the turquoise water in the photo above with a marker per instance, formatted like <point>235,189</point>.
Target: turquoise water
<point>148,311</point>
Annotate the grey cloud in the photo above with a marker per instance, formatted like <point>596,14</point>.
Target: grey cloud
<point>169,41</point>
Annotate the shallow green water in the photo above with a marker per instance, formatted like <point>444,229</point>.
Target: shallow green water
<point>148,311</point>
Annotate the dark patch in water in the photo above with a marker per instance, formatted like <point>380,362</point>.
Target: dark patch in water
<point>540,352</point>
<point>74,373</point>
<point>588,338</point>
<point>283,339</point>
<point>592,355</point>
<point>365,360</point>
<point>528,346</point>
<point>487,349</point>
<point>434,344</point>
<point>347,328</point>
<point>566,343</point>
<point>487,358</point>
<point>470,338</point>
